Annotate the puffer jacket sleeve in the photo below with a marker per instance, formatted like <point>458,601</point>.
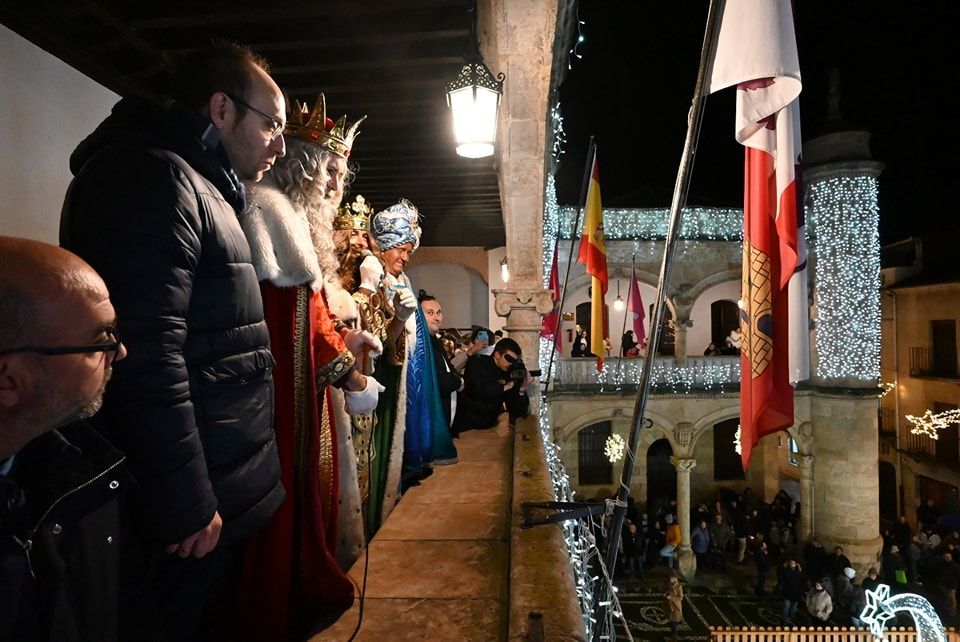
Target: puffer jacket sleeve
<point>135,218</point>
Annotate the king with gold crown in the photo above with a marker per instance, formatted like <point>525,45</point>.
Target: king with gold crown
<point>294,569</point>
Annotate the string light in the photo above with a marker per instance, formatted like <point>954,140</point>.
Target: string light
<point>614,448</point>
<point>846,244</point>
<point>930,423</point>
<point>703,375</point>
<point>887,386</point>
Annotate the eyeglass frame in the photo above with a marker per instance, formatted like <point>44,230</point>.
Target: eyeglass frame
<point>113,347</point>
<point>278,127</point>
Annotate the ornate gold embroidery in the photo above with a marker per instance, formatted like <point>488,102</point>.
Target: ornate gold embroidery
<point>331,372</point>
<point>326,453</point>
<point>365,450</point>
<point>301,416</point>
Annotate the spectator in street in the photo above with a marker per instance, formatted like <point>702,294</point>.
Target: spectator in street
<point>633,546</point>
<point>740,529</point>
<point>700,543</point>
<point>858,601</point>
<point>837,562</point>
<point>819,605</point>
<point>894,568</point>
<point>672,538</point>
<point>843,589</point>
<point>948,578</point>
<point>792,587</point>
<point>61,483</point>
<point>673,592</point>
<point>927,515</point>
<point>720,536</point>
<point>872,580</point>
<point>762,561</point>
<point>814,558</point>
<point>902,533</point>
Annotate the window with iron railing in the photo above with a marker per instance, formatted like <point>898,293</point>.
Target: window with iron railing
<point>594,467</point>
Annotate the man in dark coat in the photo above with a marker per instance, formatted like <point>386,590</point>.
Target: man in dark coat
<point>60,482</point>
<point>447,377</point>
<point>837,562</point>
<point>792,587</point>
<point>153,208</point>
<point>814,558</point>
<point>486,389</point>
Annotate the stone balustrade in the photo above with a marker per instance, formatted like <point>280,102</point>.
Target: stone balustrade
<point>707,374</point>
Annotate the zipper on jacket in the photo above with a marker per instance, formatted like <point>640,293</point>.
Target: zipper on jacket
<point>28,545</point>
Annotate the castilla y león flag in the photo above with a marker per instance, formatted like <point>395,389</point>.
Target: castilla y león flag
<point>593,252</point>
<point>757,52</point>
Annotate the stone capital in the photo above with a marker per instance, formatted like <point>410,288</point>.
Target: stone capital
<point>507,301</point>
<point>685,464</point>
<point>806,463</point>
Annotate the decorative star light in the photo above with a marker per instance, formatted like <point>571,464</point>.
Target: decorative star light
<point>614,448</point>
<point>736,441</point>
<point>881,607</point>
<point>930,423</point>
<point>887,386</point>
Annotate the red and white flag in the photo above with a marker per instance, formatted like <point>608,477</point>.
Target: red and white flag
<point>757,53</point>
<point>550,328</point>
<point>635,307</point>
<point>593,253</point>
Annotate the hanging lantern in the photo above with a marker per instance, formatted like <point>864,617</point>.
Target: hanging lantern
<point>474,98</point>
<point>618,304</point>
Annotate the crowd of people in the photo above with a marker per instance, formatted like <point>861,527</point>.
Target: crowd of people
<point>276,381</point>
<point>760,536</point>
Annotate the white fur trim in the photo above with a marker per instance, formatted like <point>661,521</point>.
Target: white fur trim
<point>279,238</point>
<point>339,301</point>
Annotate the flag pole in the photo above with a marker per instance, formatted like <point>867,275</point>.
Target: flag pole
<point>591,155</point>
<point>694,119</point>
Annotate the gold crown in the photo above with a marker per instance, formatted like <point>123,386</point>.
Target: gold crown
<point>355,216</point>
<point>314,127</point>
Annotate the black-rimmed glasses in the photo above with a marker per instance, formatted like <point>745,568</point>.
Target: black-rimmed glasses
<point>276,124</point>
<point>113,347</point>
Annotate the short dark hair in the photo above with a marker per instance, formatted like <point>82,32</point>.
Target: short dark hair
<point>423,296</point>
<point>223,66</point>
<point>507,345</point>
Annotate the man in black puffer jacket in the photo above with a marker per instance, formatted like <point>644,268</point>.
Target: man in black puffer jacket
<point>153,208</point>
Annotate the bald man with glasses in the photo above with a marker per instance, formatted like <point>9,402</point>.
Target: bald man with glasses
<point>60,481</point>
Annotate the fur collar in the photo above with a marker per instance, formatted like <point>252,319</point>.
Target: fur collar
<point>279,238</point>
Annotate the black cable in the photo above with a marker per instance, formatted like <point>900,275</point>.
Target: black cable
<point>366,550</point>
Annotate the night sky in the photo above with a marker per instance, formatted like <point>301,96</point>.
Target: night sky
<point>633,87</point>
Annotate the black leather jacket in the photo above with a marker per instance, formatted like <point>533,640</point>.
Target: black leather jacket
<point>153,208</point>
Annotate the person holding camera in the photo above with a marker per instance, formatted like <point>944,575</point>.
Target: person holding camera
<point>490,383</point>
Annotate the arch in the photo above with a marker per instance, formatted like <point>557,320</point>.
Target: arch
<point>695,291</point>
<point>709,420</point>
<point>661,424</point>
<point>473,259</point>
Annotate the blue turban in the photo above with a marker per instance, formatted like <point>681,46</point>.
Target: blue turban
<point>396,225</point>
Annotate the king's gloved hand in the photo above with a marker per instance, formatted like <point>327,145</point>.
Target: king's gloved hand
<point>405,303</point>
<point>359,340</point>
<point>363,402</point>
<point>371,272</point>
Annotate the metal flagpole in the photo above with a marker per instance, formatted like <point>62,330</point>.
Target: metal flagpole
<point>591,155</point>
<point>680,190</point>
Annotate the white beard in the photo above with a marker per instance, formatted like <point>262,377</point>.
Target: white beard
<point>320,215</point>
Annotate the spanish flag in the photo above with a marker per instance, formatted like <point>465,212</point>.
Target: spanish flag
<point>593,253</point>
<point>757,53</point>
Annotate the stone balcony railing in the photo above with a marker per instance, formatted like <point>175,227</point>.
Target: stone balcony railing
<point>719,374</point>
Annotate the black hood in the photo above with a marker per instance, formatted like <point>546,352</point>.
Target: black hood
<point>136,122</point>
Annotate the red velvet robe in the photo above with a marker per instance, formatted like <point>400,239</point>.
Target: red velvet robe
<point>290,577</point>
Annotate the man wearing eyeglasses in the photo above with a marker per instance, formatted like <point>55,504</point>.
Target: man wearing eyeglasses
<point>153,208</point>
<point>487,388</point>
<point>60,482</point>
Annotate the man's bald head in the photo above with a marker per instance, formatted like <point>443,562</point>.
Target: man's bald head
<point>34,277</point>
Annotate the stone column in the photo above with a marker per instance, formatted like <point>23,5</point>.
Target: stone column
<point>845,479</point>
<point>517,39</point>
<point>687,560</point>
<point>805,527</point>
<point>680,340</point>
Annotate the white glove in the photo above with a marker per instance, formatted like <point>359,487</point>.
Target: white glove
<point>359,340</point>
<point>371,272</point>
<point>363,402</point>
<point>405,302</point>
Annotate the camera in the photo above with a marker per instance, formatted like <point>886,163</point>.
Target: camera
<point>518,371</point>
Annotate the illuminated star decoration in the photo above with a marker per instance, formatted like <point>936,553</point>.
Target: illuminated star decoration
<point>881,607</point>
<point>614,448</point>
<point>736,440</point>
<point>930,423</point>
